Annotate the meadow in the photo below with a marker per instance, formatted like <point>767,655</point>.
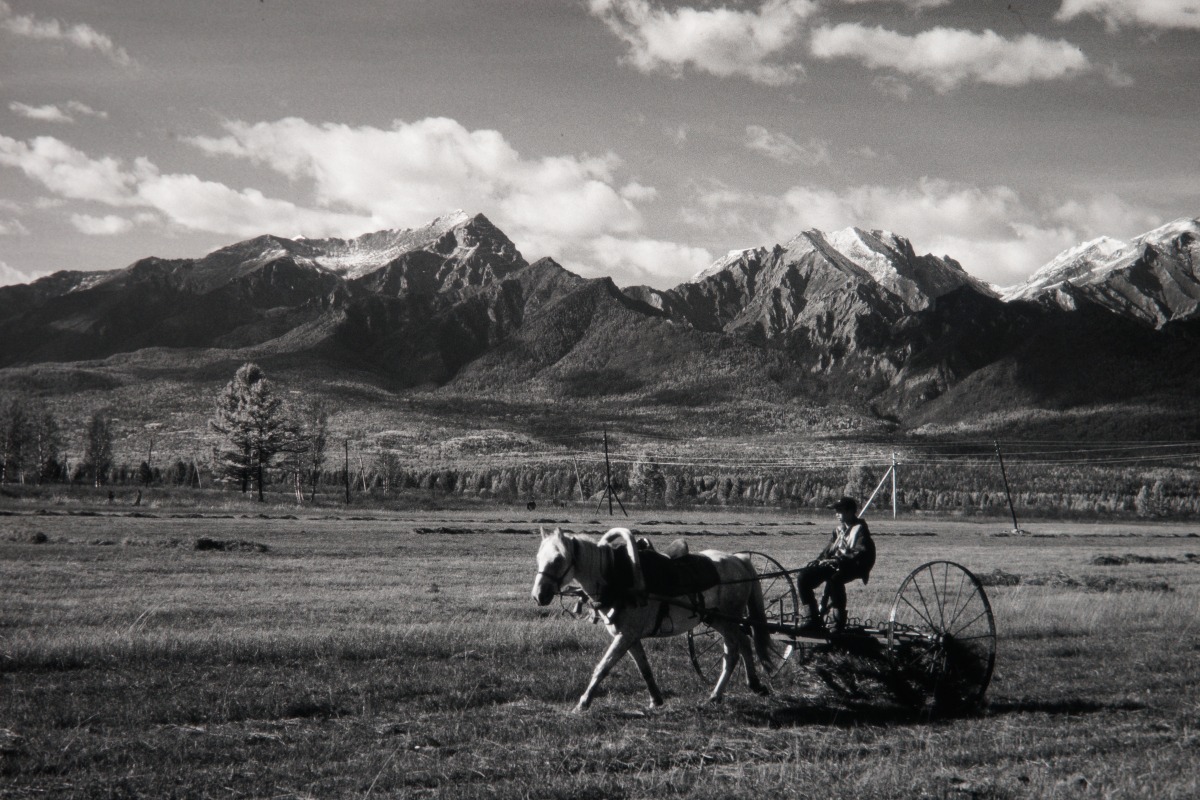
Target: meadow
<point>247,651</point>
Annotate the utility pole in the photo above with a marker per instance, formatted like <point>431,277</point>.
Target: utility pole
<point>346,470</point>
<point>578,478</point>
<point>893,484</point>
<point>608,487</point>
<point>1007,492</point>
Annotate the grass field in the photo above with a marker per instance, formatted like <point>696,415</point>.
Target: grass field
<point>400,655</point>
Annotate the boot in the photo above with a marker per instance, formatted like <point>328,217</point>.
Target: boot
<point>838,615</point>
<point>813,622</point>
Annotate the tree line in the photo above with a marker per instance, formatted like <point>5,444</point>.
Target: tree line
<point>259,439</point>
<point>31,444</point>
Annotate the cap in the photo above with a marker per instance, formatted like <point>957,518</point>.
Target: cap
<point>845,504</point>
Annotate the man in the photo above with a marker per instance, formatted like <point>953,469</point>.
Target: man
<point>849,556</point>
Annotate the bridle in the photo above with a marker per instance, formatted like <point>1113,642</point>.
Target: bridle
<point>571,558</point>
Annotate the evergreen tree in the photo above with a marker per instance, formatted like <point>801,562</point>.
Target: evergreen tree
<point>253,425</point>
<point>646,479</point>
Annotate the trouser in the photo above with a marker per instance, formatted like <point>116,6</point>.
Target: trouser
<point>835,587</point>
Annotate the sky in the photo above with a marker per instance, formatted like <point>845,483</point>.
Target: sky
<point>639,139</point>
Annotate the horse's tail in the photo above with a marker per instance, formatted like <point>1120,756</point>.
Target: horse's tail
<point>758,618</point>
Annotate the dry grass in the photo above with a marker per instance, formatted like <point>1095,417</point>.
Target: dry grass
<point>360,658</point>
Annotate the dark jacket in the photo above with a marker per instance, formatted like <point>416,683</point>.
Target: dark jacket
<point>857,559</point>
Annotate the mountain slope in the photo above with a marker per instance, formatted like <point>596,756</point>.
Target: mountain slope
<point>849,318</point>
<point>1154,278</point>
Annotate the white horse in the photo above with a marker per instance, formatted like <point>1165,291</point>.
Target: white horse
<point>737,598</point>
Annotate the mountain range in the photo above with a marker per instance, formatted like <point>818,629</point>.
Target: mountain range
<point>852,318</point>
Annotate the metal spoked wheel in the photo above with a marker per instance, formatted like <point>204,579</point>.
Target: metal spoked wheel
<point>705,645</point>
<point>942,639</point>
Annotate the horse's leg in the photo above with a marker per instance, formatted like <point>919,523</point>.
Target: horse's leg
<point>620,644</point>
<point>643,664</point>
<point>752,680</point>
<point>732,648</point>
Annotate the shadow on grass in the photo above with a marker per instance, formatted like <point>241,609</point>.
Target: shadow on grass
<point>1073,705</point>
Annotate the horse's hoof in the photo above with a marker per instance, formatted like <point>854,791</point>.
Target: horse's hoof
<point>761,691</point>
<point>715,700</point>
<point>656,703</point>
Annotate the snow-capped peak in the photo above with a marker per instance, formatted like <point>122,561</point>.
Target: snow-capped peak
<point>1093,258</point>
<point>357,257</point>
<point>853,244</point>
<point>721,264</point>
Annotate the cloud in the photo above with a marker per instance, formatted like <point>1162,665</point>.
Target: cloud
<point>184,200</point>
<point>946,58</point>
<point>408,174</point>
<point>53,113</point>
<point>1184,14</point>
<point>69,172</point>
<point>80,35</point>
<point>997,234</point>
<point>109,225</point>
<point>719,41</point>
<point>12,227</point>
<point>363,179</point>
<point>48,113</point>
<point>892,86</point>
<point>785,149</point>
<point>10,275</point>
<point>639,261</point>
<point>915,5</point>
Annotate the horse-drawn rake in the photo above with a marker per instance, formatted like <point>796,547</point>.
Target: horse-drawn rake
<point>936,650</point>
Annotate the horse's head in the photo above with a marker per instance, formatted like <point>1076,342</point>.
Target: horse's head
<point>555,561</point>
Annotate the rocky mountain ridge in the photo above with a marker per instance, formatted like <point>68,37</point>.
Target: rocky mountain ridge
<point>1153,278</point>
<point>852,316</point>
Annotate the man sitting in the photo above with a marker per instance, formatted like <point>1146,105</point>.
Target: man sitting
<point>849,556</point>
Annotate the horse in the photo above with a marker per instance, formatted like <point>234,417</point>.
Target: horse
<point>736,598</point>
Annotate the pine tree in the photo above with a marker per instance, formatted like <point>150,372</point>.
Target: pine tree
<point>254,427</point>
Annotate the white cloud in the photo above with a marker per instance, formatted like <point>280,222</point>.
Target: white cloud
<point>915,5</point>
<point>47,113</point>
<point>12,227</point>
<point>946,58</point>
<point>719,41</point>
<point>10,275</point>
<point>184,200</point>
<point>108,225</point>
<point>69,172</point>
<point>1183,14</point>
<point>80,35</point>
<point>361,179</point>
<point>637,192</point>
<point>1106,214</point>
<point>892,86</point>
<point>785,149</point>
<point>412,172</point>
<point>53,113</point>
<point>996,234</point>
<point>639,261</point>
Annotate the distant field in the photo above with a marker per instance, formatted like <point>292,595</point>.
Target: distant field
<point>399,655</point>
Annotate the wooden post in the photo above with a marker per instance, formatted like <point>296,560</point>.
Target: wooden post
<point>1007,492</point>
<point>893,484</point>
<point>608,487</point>
<point>578,478</point>
<point>346,464</point>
